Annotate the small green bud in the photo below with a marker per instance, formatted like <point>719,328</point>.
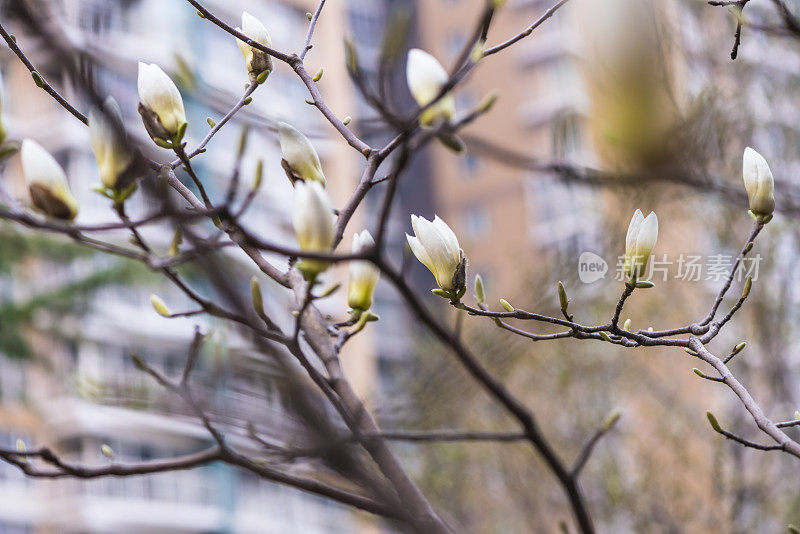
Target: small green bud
<point>262,76</point>
<point>37,79</point>
<point>739,348</point>
<point>258,299</point>
<point>200,14</point>
<point>180,133</point>
<point>476,54</point>
<point>163,143</point>
<point>159,305</point>
<point>247,100</point>
<point>211,122</point>
<point>309,16</point>
<point>318,75</point>
<point>452,141</point>
<point>351,57</point>
<point>797,415</point>
<point>611,420</point>
<point>698,372</point>
<point>480,296</point>
<point>714,422</point>
<point>605,336</point>
<point>748,247</point>
<point>649,328</point>
<point>505,304</point>
<point>627,325</point>
<point>793,529</point>
<point>13,37</point>
<point>21,446</point>
<point>441,293</point>
<point>177,239</point>
<point>259,174</point>
<point>107,451</point>
<point>138,361</point>
<point>347,120</point>
<point>690,352</point>
<point>562,297</point>
<point>644,285</point>
<point>330,291</point>
<point>372,317</point>
<point>748,285</point>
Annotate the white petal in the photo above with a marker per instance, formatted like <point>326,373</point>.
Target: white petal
<point>633,231</point>
<point>425,76</point>
<point>39,167</point>
<point>312,218</point>
<point>449,236</point>
<point>298,151</point>
<point>420,252</point>
<point>255,30</point>
<point>647,236</point>
<point>158,92</point>
<point>436,247</point>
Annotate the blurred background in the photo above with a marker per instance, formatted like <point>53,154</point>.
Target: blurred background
<point>609,106</point>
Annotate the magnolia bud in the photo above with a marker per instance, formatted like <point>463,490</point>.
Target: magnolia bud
<point>363,275</point>
<point>257,61</point>
<point>426,77</point>
<point>47,182</point>
<point>713,421</point>
<point>298,153</point>
<point>255,293</point>
<point>436,246</point>
<point>758,182</point>
<point>106,135</point>
<point>160,104</point>
<point>639,242</point>
<point>160,306</point>
<point>480,293</point>
<point>313,224</point>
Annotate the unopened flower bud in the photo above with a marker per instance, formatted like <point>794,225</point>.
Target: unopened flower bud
<point>160,104</point>
<point>363,275</point>
<point>426,77</point>
<point>160,306</point>
<point>299,154</point>
<point>436,246</point>
<point>47,182</point>
<point>257,61</point>
<point>758,182</point>
<point>313,224</point>
<point>639,242</point>
<point>107,137</point>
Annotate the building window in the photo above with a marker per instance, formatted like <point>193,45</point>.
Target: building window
<point>470,163</point>
<point>476,222</point>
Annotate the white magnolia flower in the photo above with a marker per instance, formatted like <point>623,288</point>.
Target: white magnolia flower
<point>47,182</point>
<point>363,275</point>
<point>436,246</point>
<point>106,135</point>
<point>758,182</point>
<point>257,61</point>
<point>425,77</point>
<point>639,242</point>
<point>160,102</point>
<point>313,224</point>
<point>299,154</point>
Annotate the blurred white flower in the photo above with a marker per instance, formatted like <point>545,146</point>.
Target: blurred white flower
<point>160,102</point>
<point>299,154</point>
<point>436,246</point>
<point>639,242</point>
<point>758,182</point>
<point>363,275</point>
<point>47,182</point>
<point>106,135</point>
<point>313,224</point>
<point>257,61</point>
<point>425,77</point>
